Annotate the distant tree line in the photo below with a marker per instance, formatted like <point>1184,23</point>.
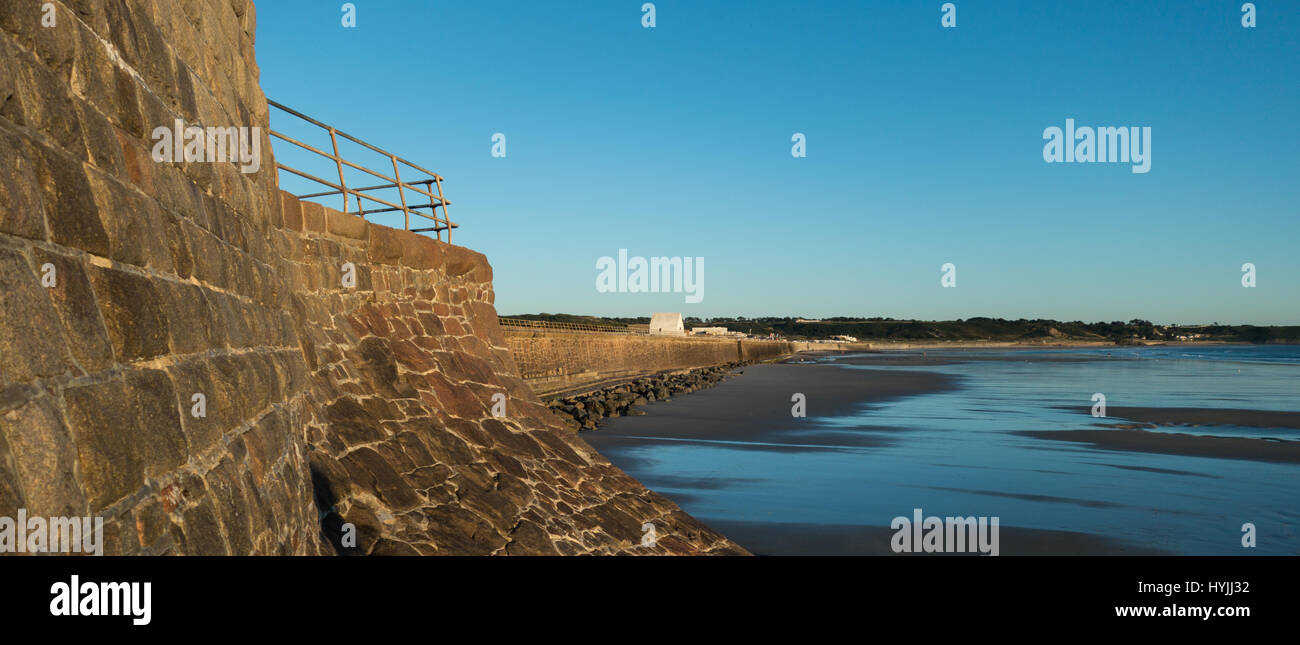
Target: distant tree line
<point>979,328</point>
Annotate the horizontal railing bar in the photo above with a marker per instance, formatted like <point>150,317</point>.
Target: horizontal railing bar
<point>349,164</point>
<point>403,185</point>
<point>333,158</point>
<point>373,198</point>
<point>407,186</point>
<point>347,190</point>
<point>351,138</point>
<point>395,207</point>
<point>568,326</point>
<point>332,192</point>
<point>420,186</point>
<point>305,175</point>
<point>392,206</point>
<point>410,208</point>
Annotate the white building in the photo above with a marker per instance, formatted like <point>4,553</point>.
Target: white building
<point>667,324</point>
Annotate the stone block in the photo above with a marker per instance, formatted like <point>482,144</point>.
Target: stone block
<point>233,384</point>
<point>102,146</point>
<point>48,105</point>
<point>422,253</point>
<point>57,48</point>
<point>233,320</point>
<point>31,335</point>
<point>194,377</point>
<point>189,320</point>
<point>44,459</point>
<point>74,300</point>
<point>102,423</point>
<point>22,19</point>
<point>134,223</point>
<point>11,106</point>
<point>121,30</point>
<point>133,313</point>
<point>345,225</point>
<point>313,217</point>
<point>206,255</point>
<point>157,433</point>
<point>290,211</point>
<point>11,496</point>
<point>136,162</point>
<point>21,210</point>
<point>352,423</point>
<point>177,242</point>
<point>127,111</point>
<point>385,245</point>
<point>92,71</point>
<point>72,214</point>
<point>202,532</point>
<point>151,522</point>
<point>367,468</point>
<point>228,498</point>
<point>267,442</point>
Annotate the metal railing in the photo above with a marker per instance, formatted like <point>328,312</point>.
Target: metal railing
<point>429,180</point>
<point>568,326</point>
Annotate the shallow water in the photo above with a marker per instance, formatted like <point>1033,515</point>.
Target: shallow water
<point>955,453</point>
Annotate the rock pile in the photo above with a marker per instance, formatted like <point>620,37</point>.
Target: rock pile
<point>584,411</point>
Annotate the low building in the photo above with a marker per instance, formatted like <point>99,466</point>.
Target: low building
<point>709,331</point>
<point>667,324</point>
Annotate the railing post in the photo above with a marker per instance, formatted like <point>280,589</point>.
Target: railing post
<point>401,191</point>
<point>445,218</point>
<point>334,141</point>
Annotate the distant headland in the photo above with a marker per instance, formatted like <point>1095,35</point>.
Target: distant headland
<point>979,329</point>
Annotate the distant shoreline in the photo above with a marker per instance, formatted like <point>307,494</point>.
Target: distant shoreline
<point>879,345</point>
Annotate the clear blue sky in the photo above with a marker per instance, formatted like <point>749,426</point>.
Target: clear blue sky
<point>924,146</point>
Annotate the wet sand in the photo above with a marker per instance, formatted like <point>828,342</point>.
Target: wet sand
<point>751,411</point>
<point>1203,416</point>
<point>833,539</point>
<point>754,407</point>
<point>915,358</point>
<point>1133,438</point>
<point>1170,443</point>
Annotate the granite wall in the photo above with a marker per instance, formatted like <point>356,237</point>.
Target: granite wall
<point>215,367</point>
<point>553,362</point>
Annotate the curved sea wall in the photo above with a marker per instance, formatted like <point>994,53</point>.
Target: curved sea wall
<point>552,362</point>
<point>215,367</point>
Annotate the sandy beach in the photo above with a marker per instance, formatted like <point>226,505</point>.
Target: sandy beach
<point>753,411</point>
<point>1170,443</point>
<point>1206,416</point>
<point>764,538</point>
<point>754,406</point>
<point>984,433</point>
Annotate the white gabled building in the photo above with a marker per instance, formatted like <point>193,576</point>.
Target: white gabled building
<point>667,324</point>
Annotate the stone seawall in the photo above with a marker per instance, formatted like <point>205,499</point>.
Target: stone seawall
<point>181,351</point>
<point>560,361</point>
